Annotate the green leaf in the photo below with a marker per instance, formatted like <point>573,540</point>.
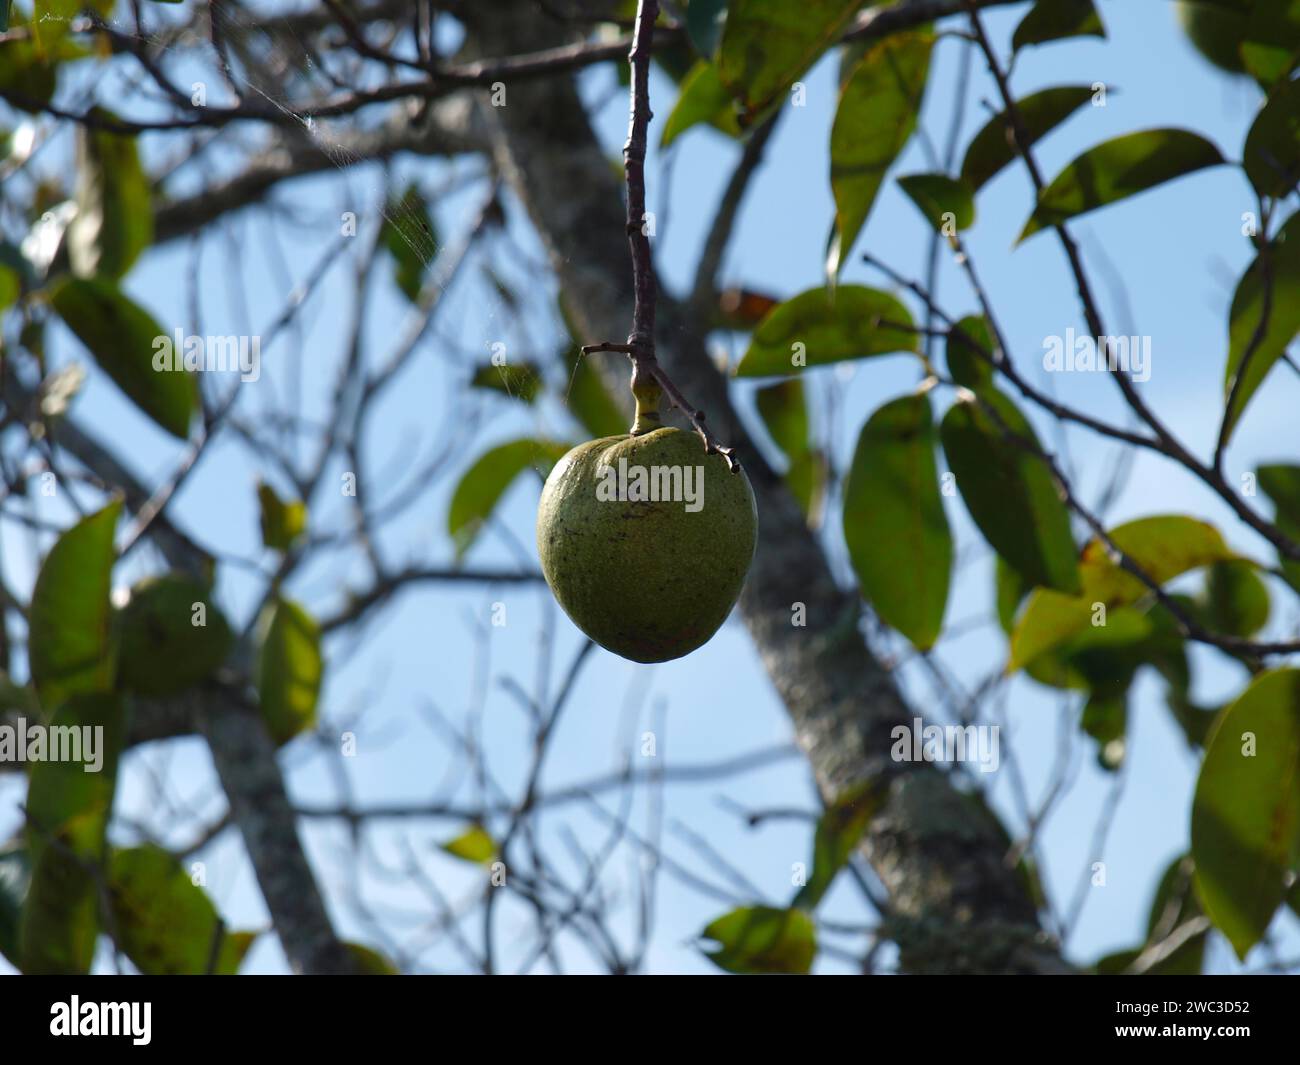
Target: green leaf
<point>1009,590</point>
<point>121,336</point>
<point>766,46</point>
<point>1009,491</point>
<point>69,646</point>
<point>1105,719</point>
<point>1052,20</point>
<point>704,22</point>
<point>1265,337</point>
<point>282,523</point>
<point>894,522</point>
<point>968,348</point>
<point>29,69</point>
<point>994,146</point>
<point>1164,547</point>
<point>289,670</point>
<point>806,479</point>
<point>69,801</point>
<point>839,830</point>
<point>702,98</point>
<point>10,287</point>
<point>114,220</point>
<point>163,922</point>
<point>785,414</point>
<point>409,236</point>
<point>761,939</point>
<point>823,326</point>
<point>4,15</point>
<point>1282,485</point>
<point>1270,47</point>
<point>1236,600</point>
<point>485,482</point>
<point>475,844</point>
<point>521,381</point>
<point>589,400</point>
<point>371,962</point>
<point>1175,904</point>
<point>1246,811</point>
<point>15,876</point>
<point>937,196</point>
<point>170,636</point>
<point>1118,169</point>
<point>1272,153</point>
<point>874,119</point>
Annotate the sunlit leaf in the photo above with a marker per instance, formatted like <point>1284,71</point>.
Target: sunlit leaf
<point>1246,811</point>
<point>289,669</point>
<point>164,922</point>
<point>822,326</point>
<point>702,99</point>
<point>114,221</point>
<point>68,810</point>
<point>1118,169</point>
<point>282,522</point>
<point>120,335</point>
<point>1163,547</point>
<point>1270,46</point>
<point>761,939</point>
<point>485,482</point>
<point>994,146</point>
<point>874,119</point>
<point>839,830</point>
<point>475,844</point>
<point>68,644</point>
<point>29,71</point>
<point>370,961</point>
<point>765,46</point>
<point>1260,324</point>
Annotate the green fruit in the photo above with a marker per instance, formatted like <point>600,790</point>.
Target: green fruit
<point>649,580</point>
<point>161,650</point>
<point>1216,28</point>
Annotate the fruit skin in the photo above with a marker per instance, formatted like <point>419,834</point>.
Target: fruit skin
<point>1216,30</point>
<point>649,581</point>
<point>160,652</point>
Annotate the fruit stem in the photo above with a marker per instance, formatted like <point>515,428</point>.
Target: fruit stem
<point>649,395</point>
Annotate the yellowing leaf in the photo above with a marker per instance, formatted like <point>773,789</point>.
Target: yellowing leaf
<point>475,844</point>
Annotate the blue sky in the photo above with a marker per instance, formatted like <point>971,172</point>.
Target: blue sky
<point>1178,251</point>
